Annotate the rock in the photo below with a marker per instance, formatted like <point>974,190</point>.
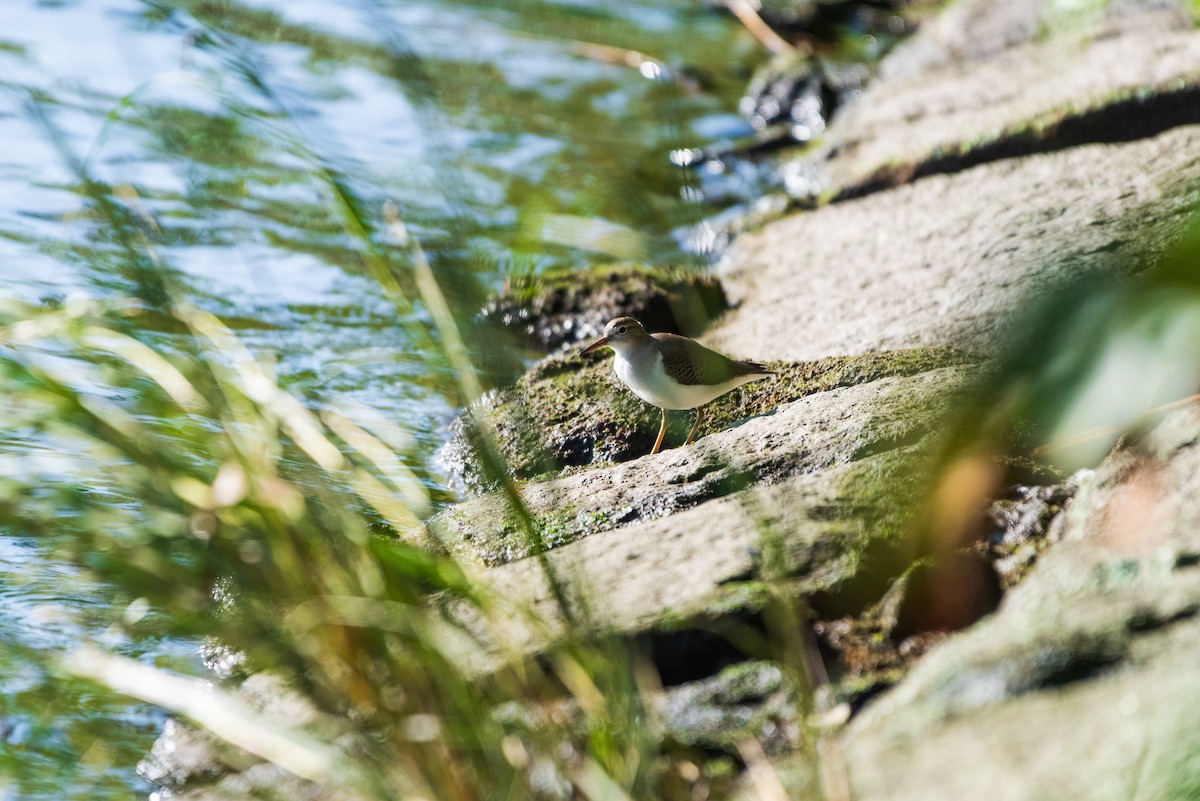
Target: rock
<point>265,782</point>
<point>844,411</point>
<point>1019,526</point>
<point>797,95</point>
<point>829,21</point>
<point>688,534</point>
<point>182,756</point>
<point>972,31</point>
<point>877,647</point>
<point>568,306</point>
<point>569,412</point>
<point>750,699</point>
<point>701,563</point>
<point>970,88</point>
<point>1103,634</point>
<point>948,259</point>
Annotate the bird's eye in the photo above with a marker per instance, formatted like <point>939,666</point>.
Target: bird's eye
<point>621,330</point>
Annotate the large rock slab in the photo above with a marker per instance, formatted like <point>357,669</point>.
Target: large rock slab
<point>1105,630</point>
<point>971,86</point>
<point>945,260</point>
<point>682,535</point>
<point>569,411</point>
<point>699,564</point>
<point>818,432</point>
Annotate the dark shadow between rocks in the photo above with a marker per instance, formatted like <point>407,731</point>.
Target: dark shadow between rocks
<point>1126,119</point>
<point>701,649</point>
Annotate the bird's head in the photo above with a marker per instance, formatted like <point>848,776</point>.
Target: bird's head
<point>620,333</point>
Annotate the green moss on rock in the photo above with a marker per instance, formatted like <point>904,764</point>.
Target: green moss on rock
<point>569,412</point>
<point>565,306</point>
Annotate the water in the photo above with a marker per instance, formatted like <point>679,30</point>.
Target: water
<point>61,738</point>
<point>207,126</point>
<point>501,113</point>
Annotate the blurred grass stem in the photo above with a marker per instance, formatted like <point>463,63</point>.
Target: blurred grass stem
<point>745,12</point>
<point>464,371</point>
<point>210,707</point>
<point>1099,432</point>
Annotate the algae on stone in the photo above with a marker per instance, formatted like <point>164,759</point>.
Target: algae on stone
<point>569,411</point>
<point>842,425</point>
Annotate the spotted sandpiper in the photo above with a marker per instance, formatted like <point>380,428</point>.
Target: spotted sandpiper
<point>672,372</point>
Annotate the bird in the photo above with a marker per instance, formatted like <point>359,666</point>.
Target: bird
<point>672,372</point>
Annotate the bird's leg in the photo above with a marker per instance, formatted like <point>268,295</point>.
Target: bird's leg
<point>699,416</point>
<point>662,432</point>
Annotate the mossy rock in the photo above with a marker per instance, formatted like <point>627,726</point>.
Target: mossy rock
<point>566,306</point>
<point>746,700</point>
<point>570,411</point>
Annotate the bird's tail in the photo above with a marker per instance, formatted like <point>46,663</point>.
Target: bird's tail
<point>753,368</point>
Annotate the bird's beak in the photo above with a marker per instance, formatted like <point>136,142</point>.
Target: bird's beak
<point>599,343</point>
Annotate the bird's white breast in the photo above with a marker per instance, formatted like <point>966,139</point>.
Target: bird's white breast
<point>650,382</point>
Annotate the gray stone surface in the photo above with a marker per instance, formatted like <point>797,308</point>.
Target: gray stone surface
<point>977,30</point>
<point>690,564</point>
<point>193,765</point>
<point>942,260</point>
<point>696,543</point>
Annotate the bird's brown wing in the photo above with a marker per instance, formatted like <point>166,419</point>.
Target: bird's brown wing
<point>689,362</point>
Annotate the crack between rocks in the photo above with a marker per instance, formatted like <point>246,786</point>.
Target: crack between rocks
<point>1144,621</point>
<point>1126,120</point>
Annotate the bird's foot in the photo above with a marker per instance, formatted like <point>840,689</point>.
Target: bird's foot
<point>696,427</point>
